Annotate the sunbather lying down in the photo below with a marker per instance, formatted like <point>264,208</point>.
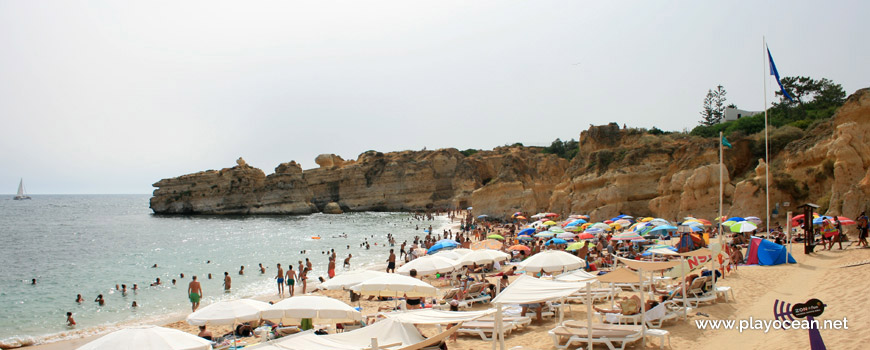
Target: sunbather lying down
<point>677,290</point>
<point>629,306</point>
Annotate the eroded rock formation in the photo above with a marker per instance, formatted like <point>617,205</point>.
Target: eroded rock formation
<point>616,171</point>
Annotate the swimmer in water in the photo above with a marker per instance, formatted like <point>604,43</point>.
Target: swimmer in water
<point>228,282</point>
<point>79,299</point>
<point>100,300</point>
<point>156,283</point>
<point>242,270</point>
<point>134,304</point>
<point>70,321</point>
<point>262,269</point>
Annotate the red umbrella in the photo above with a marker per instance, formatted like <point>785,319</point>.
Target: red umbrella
<point>586,236</point>
<point>794,219</point>
<point>846,221</point>
<point>551,215</point>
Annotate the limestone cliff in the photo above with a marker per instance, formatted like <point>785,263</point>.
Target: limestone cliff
<point>617,170</point>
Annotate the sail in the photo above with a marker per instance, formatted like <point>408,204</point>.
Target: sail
<point>21,188</point>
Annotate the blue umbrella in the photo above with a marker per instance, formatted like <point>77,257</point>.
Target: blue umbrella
<point>661,229</point>
<point>556,241</point>
<point>442,244</point>
<point>526,231</point>
<point>736,219</point>
<point>576,222</point>
<point>819,220</point>
<point>482,216</point>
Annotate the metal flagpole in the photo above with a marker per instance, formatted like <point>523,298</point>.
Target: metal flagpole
<point>766,148</point>
<point>721,186</point>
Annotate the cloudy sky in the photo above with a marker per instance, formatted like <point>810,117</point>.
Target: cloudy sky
<point>109,97</point>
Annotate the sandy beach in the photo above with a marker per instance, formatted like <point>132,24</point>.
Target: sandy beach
<point>824,275</point>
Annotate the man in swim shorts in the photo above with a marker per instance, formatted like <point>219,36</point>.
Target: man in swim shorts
<point>391,262</point>
<point>194,291</point>
<point>291,279</point>
<point>280,279</point>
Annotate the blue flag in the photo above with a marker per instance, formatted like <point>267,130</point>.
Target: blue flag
<point>725,142</point>
<point>775,73</point>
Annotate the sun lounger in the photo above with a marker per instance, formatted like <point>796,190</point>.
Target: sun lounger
<point>577,332</point>
<point>482,328</point>
<point>518,321</point>
<point>475,294</point>
<point>668,310</point>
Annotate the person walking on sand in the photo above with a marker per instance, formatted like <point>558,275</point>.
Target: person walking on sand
<point>391,262</point>
<point>291,279</point>
<point>228,282</point>
<point>280,278</point>
<point>194,292</point>
<point>863,226</point>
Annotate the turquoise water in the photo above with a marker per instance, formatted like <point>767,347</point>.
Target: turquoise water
<point>86,244</point>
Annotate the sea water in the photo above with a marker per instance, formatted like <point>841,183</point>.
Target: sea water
<point>88,244</point>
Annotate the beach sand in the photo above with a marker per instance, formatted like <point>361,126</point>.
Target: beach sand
<point>821,276</point>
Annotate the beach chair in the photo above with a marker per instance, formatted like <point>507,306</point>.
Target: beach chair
<point>696,295</point>
<point>609,335</point>
<point>668,310</point>
<point>482,328</point>
<point>475,295</point>
<point>518,321</point>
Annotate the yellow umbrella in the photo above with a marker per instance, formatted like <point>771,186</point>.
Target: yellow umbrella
<point>549,223</point>
<point>646,219</point>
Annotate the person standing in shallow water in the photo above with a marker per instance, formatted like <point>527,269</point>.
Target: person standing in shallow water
<point>391,262</point>
<point>194,292</point>
<point>291,279</point>
<point>228,281</point>
<point>280,279</point>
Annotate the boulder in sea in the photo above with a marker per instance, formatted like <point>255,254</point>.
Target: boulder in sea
<point>332,208</point>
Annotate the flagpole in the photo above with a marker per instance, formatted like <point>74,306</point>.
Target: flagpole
<point>766,148</point>
<point>721,185</point>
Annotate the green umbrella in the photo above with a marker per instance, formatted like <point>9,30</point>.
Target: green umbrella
<point>576,246</point>
<point>498,237</point>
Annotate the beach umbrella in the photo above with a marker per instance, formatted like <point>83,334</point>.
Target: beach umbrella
<point>556,229</point>
<point>525,238</point>
<point>538,216</point>
<point>395,285</point>
<point>494,236</point>
<point>593,231</point>
<point>743,226</point>
<point>352,278</point>
<point>576,222</point>
<point>442,244</point>
<point>545,234</point>
<point>796,218</point>
<point>483,256</point>
<point>469,208</point>
<point>551,215</point>
<point>574,228</point>
<point>556,241</point>
<point>600,225</point>
<point>449,254</point>
<point>552,261</point>
<point>428,265</point>
<point>521,217</point>
<point>549,223</point>
<point>662,229</point>
<point>419,251</point>
<point>622,222</point>
<point>627,236</point>
<point>753,219</point>
<point>482,216</point>
<point>228,312</point>
<point>646,219</point>
<point>586,235</point>
<point>736,219</point>
<point>526,231</point>
<point>462,251</point>
<point>520,247</point>
<point>728,223</point>
<point>518,213</point>
<point>576,246</point>
<point>566,235</point>
<point>148,338</point>
<point>319,309</point>
<point>487,244</point>
<point>843,220</point>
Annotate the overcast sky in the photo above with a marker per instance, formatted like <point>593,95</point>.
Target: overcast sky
<point>110,97</point>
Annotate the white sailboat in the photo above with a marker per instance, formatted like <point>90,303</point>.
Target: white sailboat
<point>21,194</point>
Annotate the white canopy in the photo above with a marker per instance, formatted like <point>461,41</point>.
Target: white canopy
<point>428,265</point>
<point>386,331</point>
<point>395,285</point>
<point>483,256</point>
<point>228,312</point>
<point>146,338</point>
<point>431,316</point>
<point>527,289</point>
<point>348,279</point>
<point>320,309</point>
<point>551,261</point>
<point>575,276</point>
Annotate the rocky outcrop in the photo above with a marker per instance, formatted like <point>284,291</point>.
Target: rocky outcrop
<point>332,208</point>
<point>241,189</point>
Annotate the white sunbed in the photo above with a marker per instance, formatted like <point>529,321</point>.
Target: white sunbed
<point>668,310</point>
<point>482,328</point>
<point>602,334</point>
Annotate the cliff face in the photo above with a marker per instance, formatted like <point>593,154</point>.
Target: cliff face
<point>616,171</point>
